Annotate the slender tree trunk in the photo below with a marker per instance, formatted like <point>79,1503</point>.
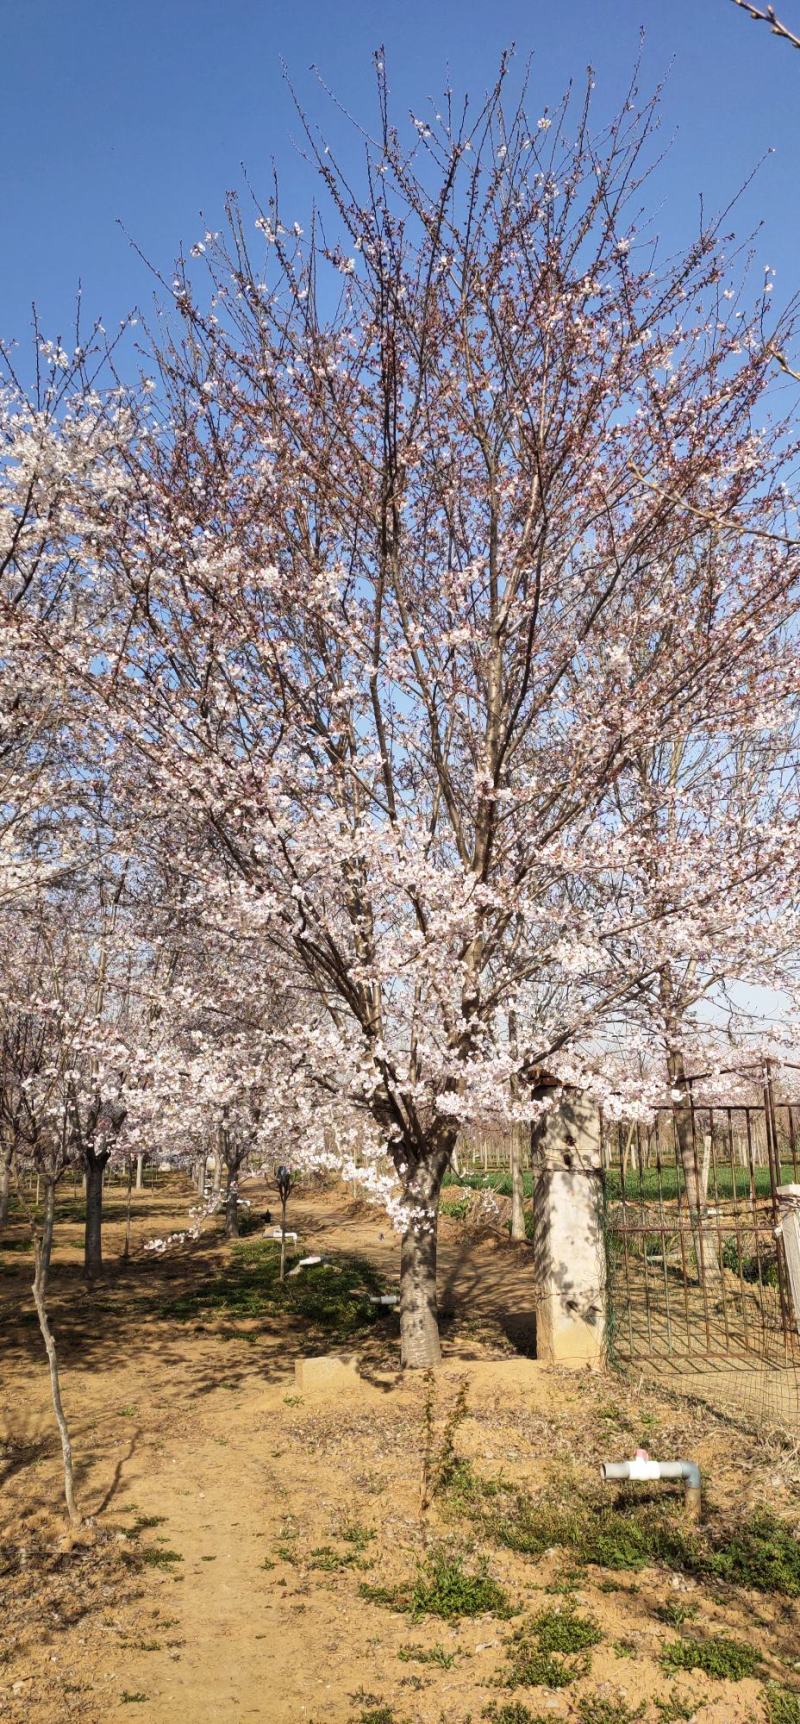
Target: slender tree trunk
<point>93,1246</point>
<point>283,1239</point>
<point>517,1185</point>
<point>139,1172</point>
<point>217,1172</point>
<point>201,1177</point>
<point>129,1170</point>
<point>419,1327</point>
<point>5,1183</point>
<point>232,1204</point>
<point>705,1244</point>
<point>42,1248</point>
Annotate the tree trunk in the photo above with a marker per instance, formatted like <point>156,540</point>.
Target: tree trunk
<point>419,1327</point>
<point>42,1248</point>
<point>232,1204</point>
<point>5,1184</point>
<point>705,1243</point>
<point>93,1245</point>
<point>517,1185</point>
<point>201,1177</point>
<point>139,1172</point>
<point>283,1239</point>
<point>129,1172</point>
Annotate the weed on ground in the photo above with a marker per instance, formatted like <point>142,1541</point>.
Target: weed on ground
<point>782,1705</point>
<point>551,1650</point>
<point>444,1587</point>
<point>724,1659</point>
<point>762,1552</point>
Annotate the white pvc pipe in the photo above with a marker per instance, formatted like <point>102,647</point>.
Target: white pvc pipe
<point>642,1468</point>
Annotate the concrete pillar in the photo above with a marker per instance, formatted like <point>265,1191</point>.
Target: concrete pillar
<point>789,1201</point>
<point>568,1236</point>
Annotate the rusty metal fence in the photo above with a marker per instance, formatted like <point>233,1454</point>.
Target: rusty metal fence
<point>700,1288</point>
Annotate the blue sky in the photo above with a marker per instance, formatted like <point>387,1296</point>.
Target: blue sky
<point>142,112</point>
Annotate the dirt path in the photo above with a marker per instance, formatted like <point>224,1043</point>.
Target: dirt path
<point>261,1512</point>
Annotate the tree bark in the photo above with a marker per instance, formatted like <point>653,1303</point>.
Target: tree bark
<point>705,1243</point>
<point>129,1174</point>
<point>42,1248</point>
<point>93,1242</point>
<point>5,1184</point>
<point>139,1172</point>
<point>232,1204</point>
<point>283,1239</point>
<point>517,1185</point>
<point>420,1349</point>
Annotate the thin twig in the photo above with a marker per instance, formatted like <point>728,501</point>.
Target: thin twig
<point>768,17</point>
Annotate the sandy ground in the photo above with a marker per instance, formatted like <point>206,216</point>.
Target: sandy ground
<point>198,1430</point>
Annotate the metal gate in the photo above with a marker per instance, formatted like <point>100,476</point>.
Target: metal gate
<point>699,1283</point>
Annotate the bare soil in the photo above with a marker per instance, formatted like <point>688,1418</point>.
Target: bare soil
<point>231,1521</point>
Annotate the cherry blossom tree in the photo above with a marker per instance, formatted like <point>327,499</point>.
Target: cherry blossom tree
<point>435,523</point>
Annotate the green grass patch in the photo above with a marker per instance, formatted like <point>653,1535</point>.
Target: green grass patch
<point>674,1710</point>
<point>593,1709</point>
<point>154,1557</point>
<point>456,1207</point>
<point>675,1614</point>
<point>644,1187</point>
<point>782,1705</point>
<point>515,1712</point>
<point>551,1650</point>
<point>331,1297</point>
<point>444,1587</point>
<point>724,1659</point>
<point>437,1655</point>
<point>354,1532</point>
<point>762,1552</point>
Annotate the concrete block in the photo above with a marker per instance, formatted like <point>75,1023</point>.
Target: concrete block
<point>329,1373</point>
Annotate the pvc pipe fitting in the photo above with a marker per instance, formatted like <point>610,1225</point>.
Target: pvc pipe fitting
<point>642,1468</point>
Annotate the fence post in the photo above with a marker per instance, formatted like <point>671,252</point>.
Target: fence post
<point>569,1253</point>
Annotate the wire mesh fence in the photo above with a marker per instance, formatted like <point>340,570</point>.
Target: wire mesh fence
<point>700,1286</point>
